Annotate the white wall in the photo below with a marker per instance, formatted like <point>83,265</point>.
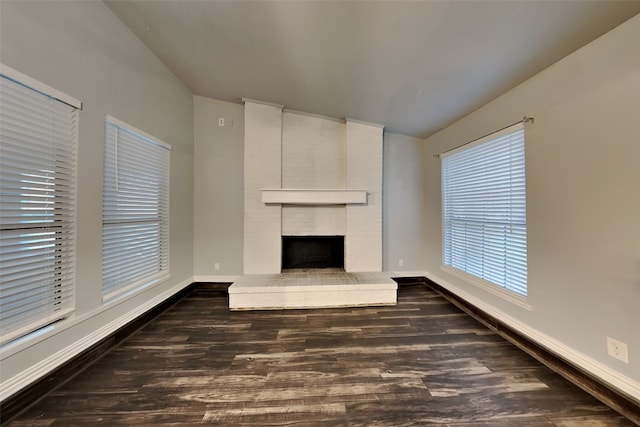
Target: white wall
<point>218,180</point>
<point>82,49</point>
<point>583,203</point>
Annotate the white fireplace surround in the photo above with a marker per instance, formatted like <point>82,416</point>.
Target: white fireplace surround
<point>306,175</point>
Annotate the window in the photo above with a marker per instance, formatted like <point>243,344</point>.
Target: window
<point>484,209</point>
<point>135,212</point>
<point>38,139</point>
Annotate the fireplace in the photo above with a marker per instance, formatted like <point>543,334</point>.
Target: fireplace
<point>306,175</point>
<point>312,252</point>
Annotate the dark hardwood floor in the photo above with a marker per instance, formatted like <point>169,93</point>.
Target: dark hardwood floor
<point>421,363</point>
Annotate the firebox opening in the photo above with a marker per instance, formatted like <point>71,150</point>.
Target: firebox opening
<point>312,252</point>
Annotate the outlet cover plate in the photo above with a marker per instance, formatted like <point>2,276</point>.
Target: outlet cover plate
<point>617,349</point>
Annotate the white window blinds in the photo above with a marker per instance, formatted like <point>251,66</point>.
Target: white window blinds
<point>135,217</point>
<point>484,209</point>
<point>38,139</point>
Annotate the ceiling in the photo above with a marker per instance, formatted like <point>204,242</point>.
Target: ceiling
<point>413,66</point>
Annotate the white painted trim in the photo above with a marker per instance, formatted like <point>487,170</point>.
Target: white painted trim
<point>33,327</point>
<point>40,369</point>
<point>38,86</point>
<point>127,127</point>
<point>498,291</point>
<point>375,125</point>
<point>270,104</point>
<point>215,279</point>
<point>599,370</point>
<point>134,289</point>
<point>317,116</point>
<point>314,197</point>
<point>35,337</point>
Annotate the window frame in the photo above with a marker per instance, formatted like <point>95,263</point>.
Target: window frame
<point>115,219</point>
<point>42,181</point>
<point>510,135</point>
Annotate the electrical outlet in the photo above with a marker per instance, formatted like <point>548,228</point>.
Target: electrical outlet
<point>216,266</point>
<point>617,349</point>
<point>400,262</point>
<point>221,121</point>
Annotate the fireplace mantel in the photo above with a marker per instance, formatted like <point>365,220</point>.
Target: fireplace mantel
<point>290,196</point>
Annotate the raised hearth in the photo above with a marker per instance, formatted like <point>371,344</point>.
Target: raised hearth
<point>311,289</point>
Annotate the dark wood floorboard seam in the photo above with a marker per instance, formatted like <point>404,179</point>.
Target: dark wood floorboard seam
<point>619,402</point>
<point>16,404</point>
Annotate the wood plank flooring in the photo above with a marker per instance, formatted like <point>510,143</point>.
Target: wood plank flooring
<point>420,363</point>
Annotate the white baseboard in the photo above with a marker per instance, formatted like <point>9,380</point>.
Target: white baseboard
<point>599,370</point>
<point>215,279</point>
<point>40,369</point>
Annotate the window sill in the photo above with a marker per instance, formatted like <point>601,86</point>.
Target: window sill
<point>496,290</point>
<point>132,290</point>
<point>36,337</point>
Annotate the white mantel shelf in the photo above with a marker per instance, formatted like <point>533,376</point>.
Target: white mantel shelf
<point>289,196</point>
